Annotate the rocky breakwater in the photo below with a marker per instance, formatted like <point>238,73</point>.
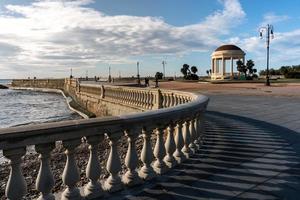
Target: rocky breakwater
<point>3,87</point>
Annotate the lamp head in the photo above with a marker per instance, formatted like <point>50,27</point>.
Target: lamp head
<point>272,34</point>
<point>260,34</point>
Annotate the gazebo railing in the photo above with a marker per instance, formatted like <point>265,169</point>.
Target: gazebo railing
<point>182,124</point>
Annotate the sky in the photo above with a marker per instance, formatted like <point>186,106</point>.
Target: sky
<point>46,38</point>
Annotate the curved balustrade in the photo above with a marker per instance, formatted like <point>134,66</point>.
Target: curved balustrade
<point>180,125</point>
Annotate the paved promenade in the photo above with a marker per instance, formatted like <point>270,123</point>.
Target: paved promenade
<point>251,151</point>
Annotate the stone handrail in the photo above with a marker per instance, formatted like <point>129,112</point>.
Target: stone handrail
<point>181,121</point>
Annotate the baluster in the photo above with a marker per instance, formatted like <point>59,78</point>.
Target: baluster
<point>131,177</point>
<point>197,133</point>
<point>146,171</point>
<point>180,100</point>
<point>93,170</point>
<point>113,166</point>
<point>70,174</point>
<point>193,136</point>
<point>16,186</point>
<point>187,140</point>
<point>201,122</point>
<point>127,97</point>
<point>167,100</point>
<point>137,98</point>
<point>172,100</point>
<point>170,147</point>
<point>142,99</point>
<point>176,101</point>
<point>45,180</point>
<point>159,165</point>
<point>179,156</point>
<point>151,101</point>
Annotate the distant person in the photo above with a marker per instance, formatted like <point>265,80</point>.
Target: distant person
<point>147,82</point>
<point>156,81</point>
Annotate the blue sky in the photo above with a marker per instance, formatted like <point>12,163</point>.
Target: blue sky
<point>46,38</point>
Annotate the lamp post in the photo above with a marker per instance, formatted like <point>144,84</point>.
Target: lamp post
<point>71,73</point>
<point>164,63</point>
<point>109,75</point>
<point>269,32</point>
<point>138,72</point>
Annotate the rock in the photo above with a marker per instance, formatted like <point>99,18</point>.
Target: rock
<point>3,87</point>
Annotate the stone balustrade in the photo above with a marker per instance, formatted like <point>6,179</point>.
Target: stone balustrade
<point>178,129</point>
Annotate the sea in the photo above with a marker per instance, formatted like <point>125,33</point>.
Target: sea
<point>23,107</point>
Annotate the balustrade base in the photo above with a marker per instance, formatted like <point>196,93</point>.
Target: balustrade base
<point>146,173</point>
<point>92,191</point>
<point>47,197</point>
<point>179,157</point>
<point>170,161</point>
<point>197,144</point>
<point>71,194</point>
<point>113,185</point>
<point>131,179</point>
<point>160,167</point>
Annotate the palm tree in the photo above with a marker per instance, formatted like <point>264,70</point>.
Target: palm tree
<point>194,69</point>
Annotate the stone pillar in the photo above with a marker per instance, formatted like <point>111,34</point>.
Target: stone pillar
<point>223,67</point>
<point>131,177</point>
<point>16,186</point>
<point>45,180</point>
<point>146,171</point>
<point>187,140</point>
<point>179,157</point>
<point>170,147</point>
<point>212,65</point>
<point>113,166</point>
<point>231,74</point>
<point>159,165</point>
<point>93,170</point>
<point>70,174</point>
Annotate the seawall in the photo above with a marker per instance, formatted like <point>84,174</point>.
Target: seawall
<point>95,99</point>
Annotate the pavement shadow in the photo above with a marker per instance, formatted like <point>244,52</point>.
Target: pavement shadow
<point>241,158</point>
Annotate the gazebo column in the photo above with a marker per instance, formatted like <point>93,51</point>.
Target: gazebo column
<point>217,66</point>
<point>231,74</point>
<point>223,67</point>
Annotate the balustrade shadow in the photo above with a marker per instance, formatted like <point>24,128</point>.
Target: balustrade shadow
<point>241,158</point>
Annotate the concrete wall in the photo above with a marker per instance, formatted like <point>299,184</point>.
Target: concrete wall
<point>89,98</point>
<point>39,83</point>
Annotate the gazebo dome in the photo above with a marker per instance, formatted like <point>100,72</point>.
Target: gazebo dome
<point>228,47</point>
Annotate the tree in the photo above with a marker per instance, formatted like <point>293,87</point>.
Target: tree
<point>248,70</point>
<point>159,75</point>
<point>189,74</point>
<point>194,69</point>
<point>241,67</point>
<point>250,67</point>
<point>207,71</point>
<point>185,70</point>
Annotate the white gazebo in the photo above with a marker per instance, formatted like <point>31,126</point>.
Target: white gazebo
<point>218,61</point>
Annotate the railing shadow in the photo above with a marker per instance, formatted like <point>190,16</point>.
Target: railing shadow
<point>241,158</point>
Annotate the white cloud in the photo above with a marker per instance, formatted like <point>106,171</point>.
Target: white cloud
<point>271,18</point>
<point>57,34</point>
<point>284,48</point>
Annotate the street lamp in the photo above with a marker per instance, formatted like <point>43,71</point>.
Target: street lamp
<point>269,32</point>
<point>164,63</point>
<point>138,72</point>
<point>109,75</point>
